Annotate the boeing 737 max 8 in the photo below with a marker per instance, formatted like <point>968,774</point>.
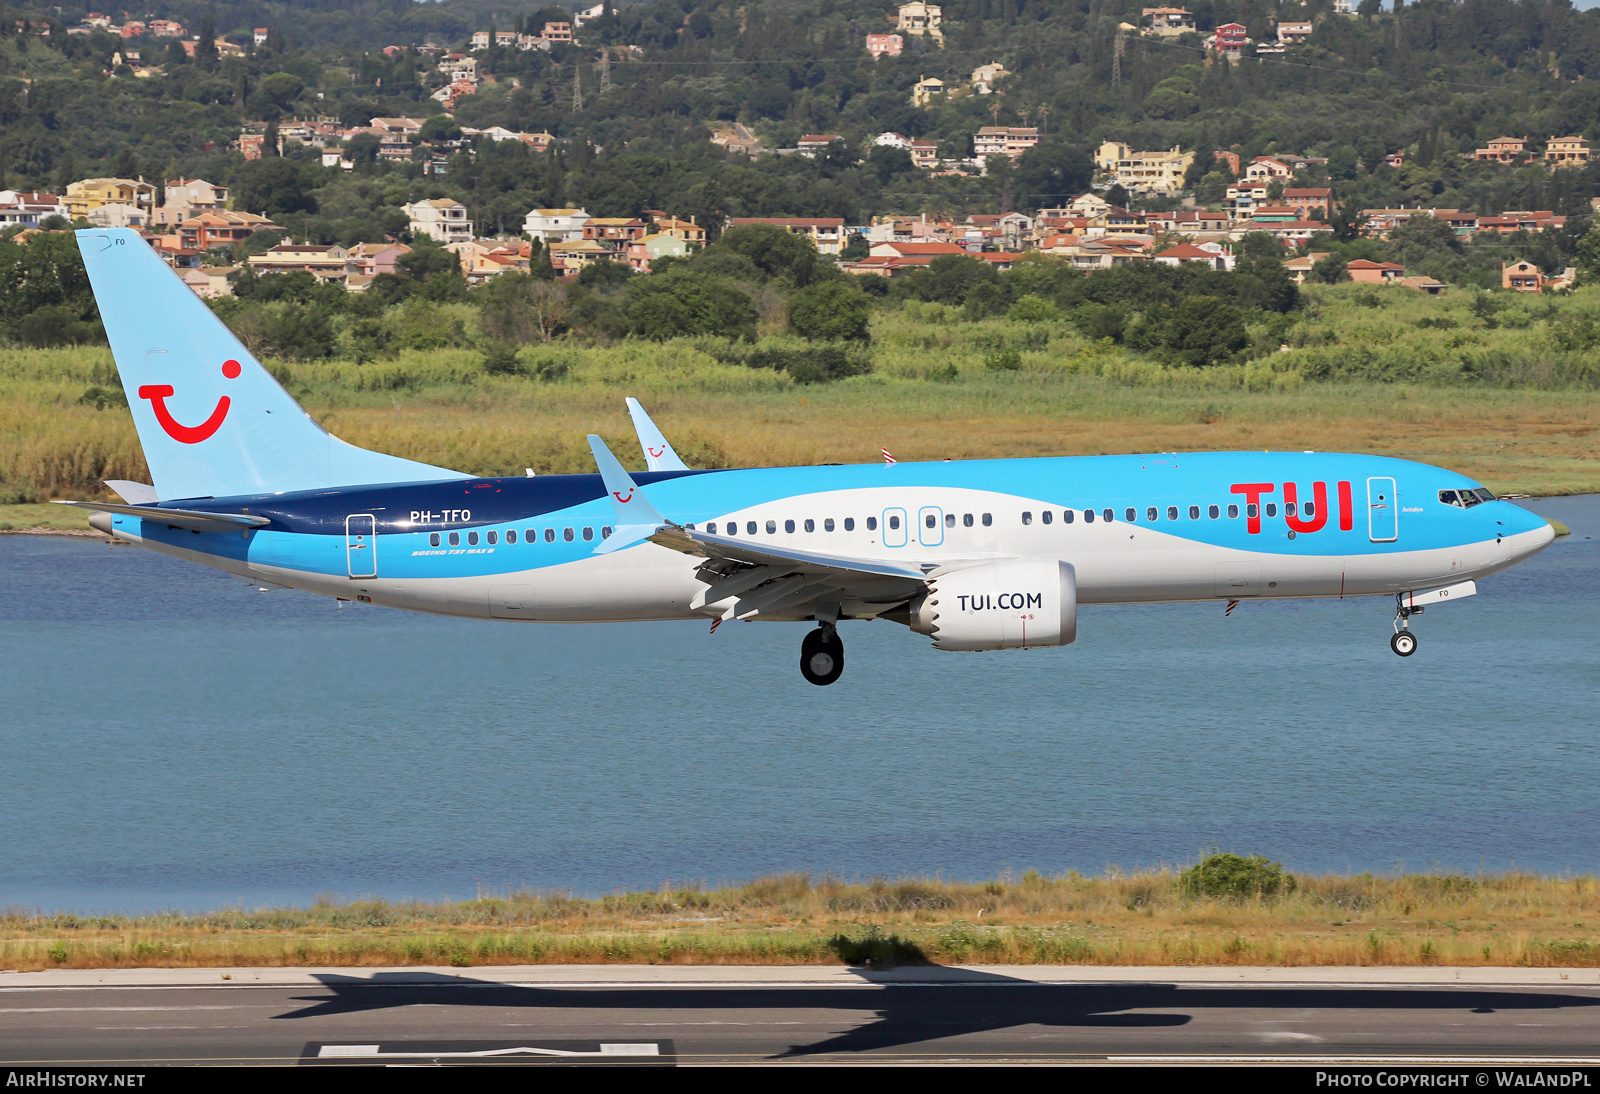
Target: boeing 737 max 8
<point>977,555</point>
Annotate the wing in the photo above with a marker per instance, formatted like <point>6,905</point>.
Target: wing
<point>747,580</point>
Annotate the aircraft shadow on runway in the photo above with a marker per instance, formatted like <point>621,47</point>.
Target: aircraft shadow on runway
<point>907,1013</point>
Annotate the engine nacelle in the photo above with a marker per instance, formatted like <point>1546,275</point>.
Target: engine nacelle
<point>1009,605</point>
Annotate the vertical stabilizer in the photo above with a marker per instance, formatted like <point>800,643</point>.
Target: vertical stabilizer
<point>212,421</point>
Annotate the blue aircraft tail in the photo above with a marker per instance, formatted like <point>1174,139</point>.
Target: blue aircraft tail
<point>212,421</point>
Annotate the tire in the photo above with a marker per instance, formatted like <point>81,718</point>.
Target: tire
<point>822,657</point>
<point>1404,643</point>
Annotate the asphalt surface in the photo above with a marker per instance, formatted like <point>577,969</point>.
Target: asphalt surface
<point>411,1016</point>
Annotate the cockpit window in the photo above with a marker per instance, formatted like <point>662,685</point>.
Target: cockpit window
<point>1465,499</point>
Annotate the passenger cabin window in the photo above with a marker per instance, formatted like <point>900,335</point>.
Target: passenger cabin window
<point>1130,514</point>
<point>788,526</point>
<point>1047,516</point>
<point>1108,515</point>
<point>712,527</point>
<point>1250,510</point>
<point>588,534</point>
<point>750,526</point>
<point>1088,516</point>
<point>1067,515</point>
<point>529,535</point>
<point>1194,512</point>
<point>433,539</point>
<point>987,520</point>
<point>1172,512</point>
<point>1027,518</point>
<point>472,539</point>
<point>455,539</point>
<point>1150,513</point>
<point>549,535</point>
<point>827,524</point>
<point>872,524</point>
<point>494,537</point>
<point>894,522</point>
<point>566,534</point>
<point>1309,508</point>
<point>1233,512</point>
<point>511,535</point>
<point>772,527</point>
<point>950,520</point>
<point>605,530</point>
<point>966,520</point>
<point>811,525</point>
<point>1272,508</point>
<point>1214,512</point>
<point>733,527</point>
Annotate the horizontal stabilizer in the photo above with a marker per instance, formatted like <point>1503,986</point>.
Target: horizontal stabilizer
<point>134,493</point>
<point>183,518</point>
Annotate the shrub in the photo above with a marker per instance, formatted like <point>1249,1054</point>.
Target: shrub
<point>102,397</point>
<point>1235,877</point>
<point>1203,331</point>
<point>830,311</point>
<point>877,950</point>
<point>1034,309</point>
<point>500,359</point>
<point>1004,360</point>
<point>55,325</point>
<point>811,365</point>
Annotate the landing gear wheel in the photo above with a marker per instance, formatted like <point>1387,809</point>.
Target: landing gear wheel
<point>822,656</point>
<point>1404,643</point>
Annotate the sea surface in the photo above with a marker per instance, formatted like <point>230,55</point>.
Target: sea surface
<point>171,738</point>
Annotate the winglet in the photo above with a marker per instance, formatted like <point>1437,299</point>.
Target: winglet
<point>637,519</point>
<point>658,454</point>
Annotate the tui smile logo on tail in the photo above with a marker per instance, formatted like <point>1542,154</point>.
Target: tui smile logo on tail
<point>188,434</point>
<point>624,500</point>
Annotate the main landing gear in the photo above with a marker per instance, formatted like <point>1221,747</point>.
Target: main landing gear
<point>1404,642</point>
<point>822,655</point>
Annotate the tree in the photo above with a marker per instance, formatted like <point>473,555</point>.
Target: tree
<point>834,310</point>
<point>604,274</point>
<point>126,166</point>
<point>274,187</point>
<point>439,129</point>
<point>774,250</point>
<point>1203,330</point>
<point>1329,270</point>
<point>435,271</point>
<point>680,304</point>
<point>1347,221</point>
<point>886,162</point>
<point>1052,173</point>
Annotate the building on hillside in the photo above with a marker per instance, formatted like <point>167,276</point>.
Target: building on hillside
<point>1244,198</point>
<point>372,259</point>
<point>443,219</point>
<point>558,33</point>
<point>1299,268</point>
<point>891,139</point>
<point>1522,276</point>
<point>555,225</point>
<point>693,236</point>
<point>209,282</point>
<point>812,143</point>
<point>1000,140</point>
<point>646,249</point>
<point>926,90</point>
<point>165,28</point>
<point>924,154</point>
<point>1168,22</point>
<point>29,208</point>
<point>258,36</point>
<point>219,229</point>
<point>116,215</point>
<point>885,45</point>
<point>737,138</point>
<point>1266,168</point>
<point>1310,199</point>
<point>1423,284</point>
<point>84,196</point>
<point>984,77</point>
<point>1293,34</point>
<point>1227,160</point>
<point>1528,221</point>
<point>1503,149</point>
<point>825,233</point>
<point>1374,273</point>
<point>184,198</point>
<point>324,261</point>
<point>920,18</point>
<point>614,233</point>
<point>588,15</point>
<point>569,258</point>
<point>1231,39</point>
<point>1568,151</point>
<point>1144,172</point>
<point>1294,233</point>
<point>1213,256</point>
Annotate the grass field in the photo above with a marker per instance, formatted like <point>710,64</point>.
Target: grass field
<point>1116,919</point>
<point>1367,370</point>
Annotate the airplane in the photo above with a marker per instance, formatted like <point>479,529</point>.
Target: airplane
<point>974,554</point>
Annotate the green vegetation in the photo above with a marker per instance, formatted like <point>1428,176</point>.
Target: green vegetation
<point>1235,877</point>
<point>1147,918</point>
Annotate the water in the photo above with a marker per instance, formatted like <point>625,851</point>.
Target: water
<point>173,739</point>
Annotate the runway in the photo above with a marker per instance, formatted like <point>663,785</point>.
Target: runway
<point>664,1016</point>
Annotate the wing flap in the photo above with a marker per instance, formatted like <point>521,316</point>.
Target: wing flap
<point>691,541</point>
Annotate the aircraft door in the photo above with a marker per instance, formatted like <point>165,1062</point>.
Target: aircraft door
<point>361,544</point>
<point>1383,511</point>
<point>894,527</point>
<point>930,526</point>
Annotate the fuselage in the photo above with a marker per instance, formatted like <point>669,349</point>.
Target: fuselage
<point>1166,527</point>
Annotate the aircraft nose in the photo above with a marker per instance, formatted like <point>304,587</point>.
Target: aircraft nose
<point>1531,531</point>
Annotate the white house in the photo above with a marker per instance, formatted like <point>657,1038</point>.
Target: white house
<point>445,219</point>
<point>891,140</point>
<point>555,225</point>
<point>117,215</point>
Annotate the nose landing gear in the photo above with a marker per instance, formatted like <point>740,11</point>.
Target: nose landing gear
<point>1404,642</point>
<point>822,655</point>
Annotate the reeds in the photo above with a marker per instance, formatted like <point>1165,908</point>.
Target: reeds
<point>1116,919</point>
